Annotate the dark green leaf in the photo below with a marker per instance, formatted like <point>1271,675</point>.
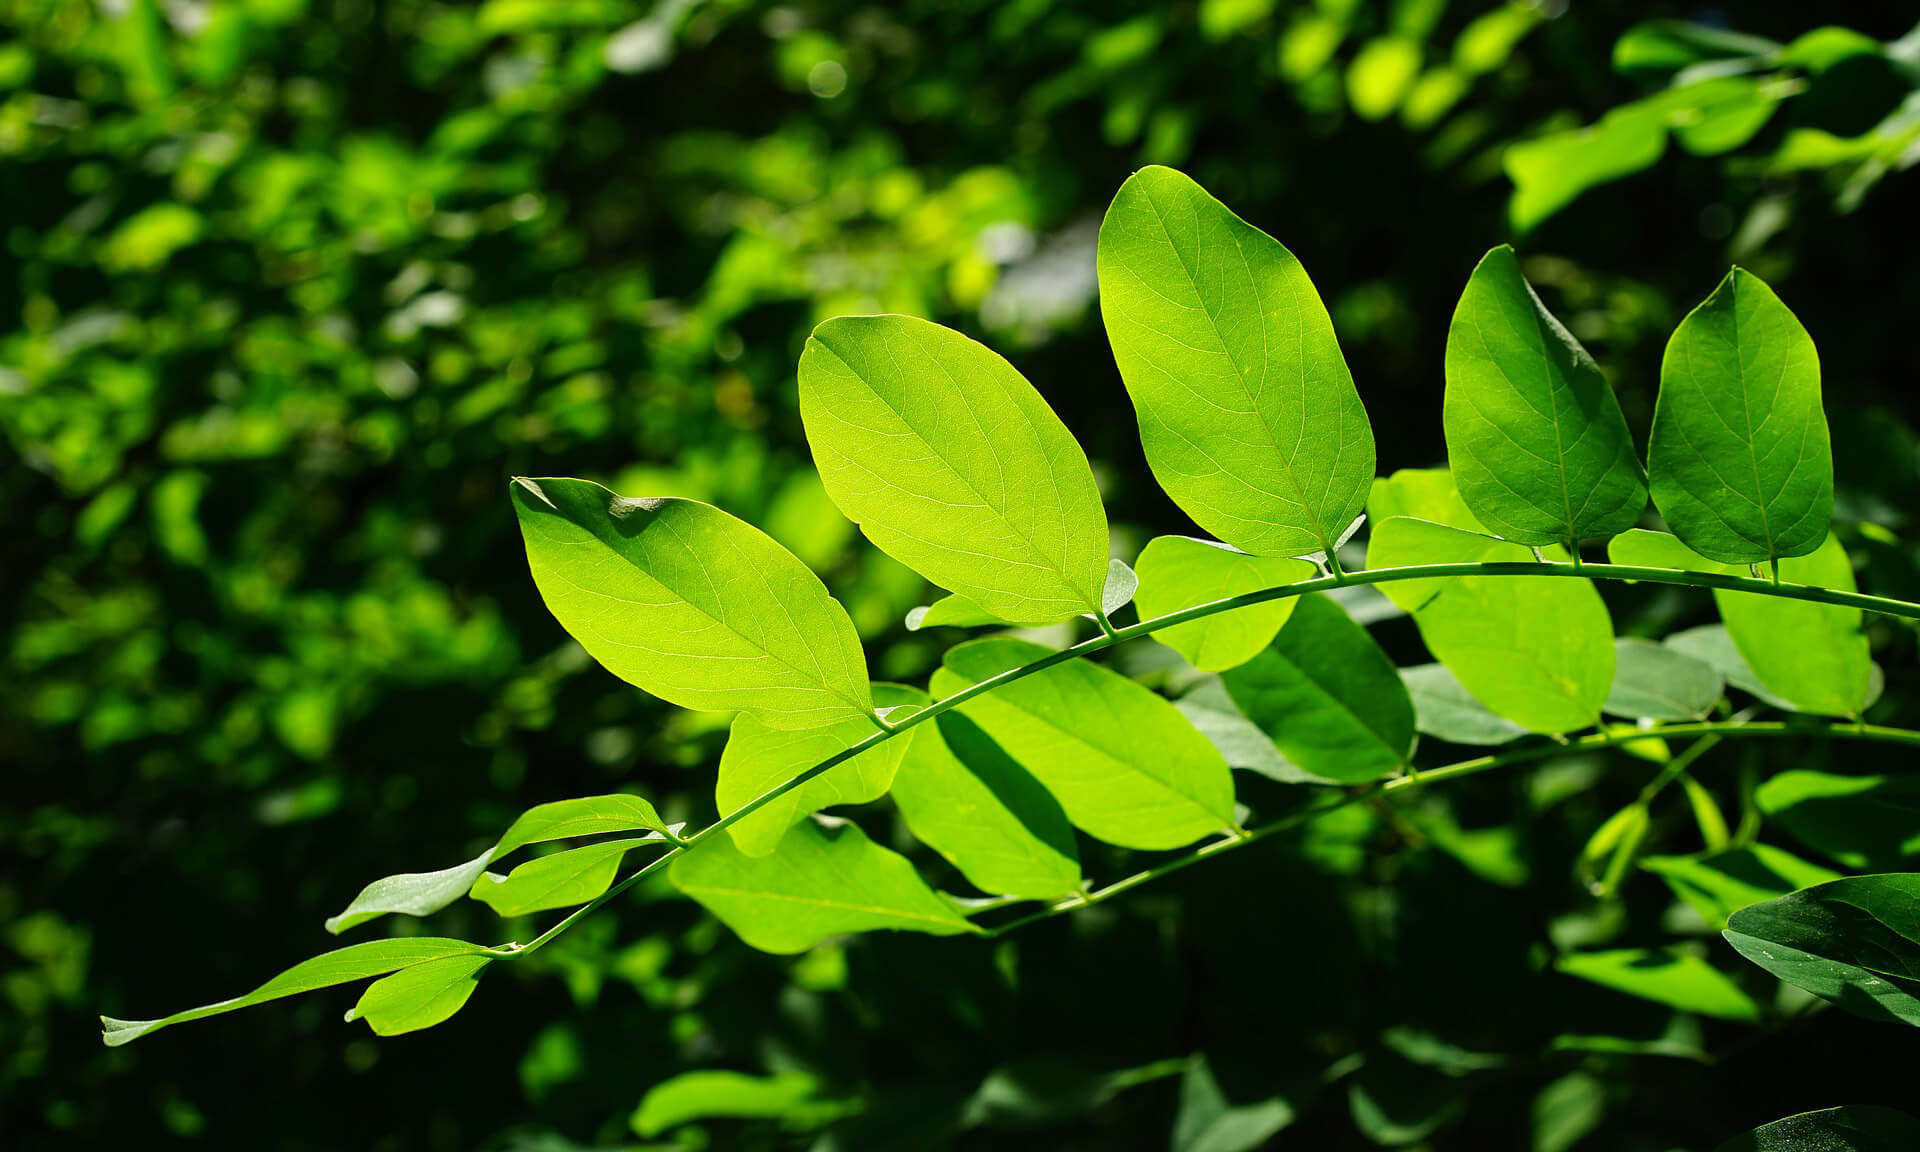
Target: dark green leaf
<point>1654,682</point>
<point>1856,1128</point>
<point>1854,941</point>
<point>1867,823</point>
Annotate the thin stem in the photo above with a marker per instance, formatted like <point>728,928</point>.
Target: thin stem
<point>1106,624</point>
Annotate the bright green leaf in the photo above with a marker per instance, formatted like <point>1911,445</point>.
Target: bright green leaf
<point>1247,411</point>
<point>1666,976</point>
<point>1380,75</point>
<point>953,465</point>
<point>1550,172</point>
<point>1719,884</point>
<point>1444,709</point>
<point>1854,941</point>
<point>950,612</point>
<point>1739,461</point>
<point>716,1093</point>
<point>1179,572</point>
<point>560,880</point>
<point>420,996</point>
<point>1856,1128</point>
<point>1654,682</point>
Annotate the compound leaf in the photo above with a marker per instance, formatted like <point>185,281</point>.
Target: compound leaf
<point>1854,941</point>
<point>420,996</point>
<point>952,464</point>
<point>1247,411</point>
<point>1179,572</point>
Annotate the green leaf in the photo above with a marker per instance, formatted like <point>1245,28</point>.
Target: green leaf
<point>1812,655</point>
<point>950,612</point>
<point>340,966</point>
<point>1394,1101</point>
<point>1713,644</point>
<point>560,880</point>
<point>1537,650</point>
<point>424,893</point>
<point>1853,941</point>
<point>1855,1128</point>
<point>1654,682</point>
<point>420,996</point>
<point>1666,976</point>
<point>952,464</point>
<point>1535,438</point>
<point>1550,172</point>
<point>1444,709</point>
<point>1209,1122</point>
<point>1719,884</point>
<point>758,758</point>
<point>696,607</point>
<point>1122,761</point>
<point>1739,461</point>
<point>1179,572</point>
<point>1211,709</point>
<point>820,882</point>
<point>1864,822</point>
<point>964,797</point>
<point>1659,48</point>
<point>1330,699</point>
<point>1247,411</point>
<point>716,1093</point>
<point>1424,494</point>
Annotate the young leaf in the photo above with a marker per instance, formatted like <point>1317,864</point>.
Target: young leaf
<point>953,465</point>
<point>1328,696</point>
<point>1719,884</point>
<point>1856,1128</point>
<point>1654,682</point>
<point>950,612</point>
<point>1445,710</point>
<point>340,966</point>
<point>710,1093</point>
<point>1739,461</point>
<point>420,996</point>
<point>424,893</point>
<point>1536,650</point>
<point>1853,941</point>
<point>1867,823</point>
<point>1124,764</point>
<point>1247,411</point>
<point>560,880</point>
<point>757,758</point>
<point>1537,443</point>
<point>820,882</point>
<point>1813,655</point>
<point>965,798</point>
<point>1180,572</point>
<point>690,604</point>
<point>1666,976</point>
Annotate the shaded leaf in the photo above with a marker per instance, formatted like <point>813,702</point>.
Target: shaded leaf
<point>1179,572</point>
<point>1721,883</point>
<point>1211,709</point>
<point>950,612</point>
<point>1444,709</point>
<point>1864,822</point>
<point>1855,1128</point>
<point>712,1093</point>
<point>1853,941</point>
<point>1654,682</point>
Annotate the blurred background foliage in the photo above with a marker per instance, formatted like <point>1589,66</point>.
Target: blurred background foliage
<point>293,286</point>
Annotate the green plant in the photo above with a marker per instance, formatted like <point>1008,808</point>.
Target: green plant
<point>952,463</point>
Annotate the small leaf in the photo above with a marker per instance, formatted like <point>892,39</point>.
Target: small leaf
<point>1866,823</point>
<point>1813,655</point>
<point>1329,698</point>
<point>965,798</point>
<point>1124,764</point>
<point>820,882</point>
<point>1721,883</point>
<point>559,880</point>
<point>1666,976</point>
<point>711,1093</point>
<point>1122,583</point>
<point>950,612</point>
<point>1853,941</point>
<point>1535,437</point>
<point>692,605</point>
<point>1856,1128</point>
<point>1549,172</point>
<point>1654,682</point>
<point>952,464</point>
<point>1179,572</point>
<point>340,966</point>
<point>1445,710</point>
<point>1247,411</point>
<point>420,996</point>
<point>1739,461</point>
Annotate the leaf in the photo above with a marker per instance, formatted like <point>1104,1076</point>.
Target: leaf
<point>420,996</point>
<point>340,966</point>
<point>1654,682</point>
<point>820,882</point>
<point>1395,1101</point>
<point>1666,976</point>
<point>1424,494</point>
<point>758,758</point>
<point>1719,884</point>
<point>1713,644</point>
<point>1209,1122</point>
<point>1814,656</point>
<point>560,880</point>
<point>1122,583</point>
<point>1247,411</point>
<point>1535,438</point>
<point>1330,699</point>
<point>711,1093</point>
<point>1854,1128</point>
<point>1179,572</point>
<point>1739,461</point>
<point>1443,708</point>
<point>1866,823</point>
<point>1853,941</point>
<point>424,893</point>
<point>692,605</point>
<point>1124,764</point>
<point>965,798</point>
<point>1550,172</point>
<point>950,612</point>
<point>952,464</point>
<point>1537,650</point>
<point>1211,709</point>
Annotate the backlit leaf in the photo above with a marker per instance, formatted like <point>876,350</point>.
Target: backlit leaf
<point>1854,941</point>
<point>1444,709</point>
<point>713,1093</point>
<point>1181,572</point>
<point>420,996</point>
<point>1666,976</point>
<point>1719,884</point>
<point>1654,682</point>
<point>559,880</point>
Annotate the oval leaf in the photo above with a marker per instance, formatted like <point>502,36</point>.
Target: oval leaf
<point>1247,411</point>
<point>1857,1128</point>
<point>1535,437</point>
<point>1445,710</point>
<point>560,880</point>
<point>952,464</point>
<point>1739,461</point>
<point>420,996</point>
<point>1179,572</point>
<point>1654,682</point>
<point>1854,941</point>
<point>695,606</point>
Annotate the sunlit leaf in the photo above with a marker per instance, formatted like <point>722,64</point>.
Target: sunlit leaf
<point>1854,941</point>
<point>1719,884</point>
<point>1180,572</point>
<point>711,1093</point>
<point>420,996</point>
<point>559,880</point>
<point>1666,976</point>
